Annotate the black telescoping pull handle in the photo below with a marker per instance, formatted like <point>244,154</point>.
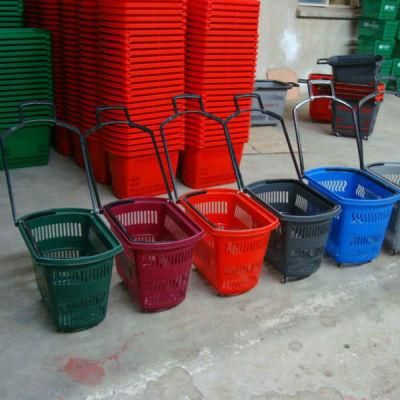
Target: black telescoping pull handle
<point>354,121</point>
<point>22,124</point>
<point>239,97</point>
<point>187,97</point>
<point>23,106</point>
<point>271,114</point>
<point>102,109</point>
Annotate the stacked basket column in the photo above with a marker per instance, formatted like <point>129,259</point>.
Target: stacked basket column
<point>142,58</point>
<point>221,58</point>
<point>11,14</point>
<point>88,85</point>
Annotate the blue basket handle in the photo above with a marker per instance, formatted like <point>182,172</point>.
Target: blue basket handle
<point>297,129</point>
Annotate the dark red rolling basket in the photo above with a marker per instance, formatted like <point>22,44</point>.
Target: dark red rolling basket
<point>157,237</point>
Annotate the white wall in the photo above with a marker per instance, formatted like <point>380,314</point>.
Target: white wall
<point>296,43</point>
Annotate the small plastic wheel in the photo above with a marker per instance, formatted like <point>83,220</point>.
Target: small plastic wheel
<point>284,280</point>
<point>340,265</point>
<point>337,134</point>
<point>366,138</point>
<point>393,252</point>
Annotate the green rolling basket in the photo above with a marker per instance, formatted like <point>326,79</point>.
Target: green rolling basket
<point>72,249</point>
<point>373,46</point>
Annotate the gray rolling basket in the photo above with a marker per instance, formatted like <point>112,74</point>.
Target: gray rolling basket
<point>273,95</point>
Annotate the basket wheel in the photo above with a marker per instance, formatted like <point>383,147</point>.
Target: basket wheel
<point>284,280</point>
<point>337,134</point>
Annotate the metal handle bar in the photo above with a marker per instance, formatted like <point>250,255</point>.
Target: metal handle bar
<point>176,115</point>
<point>22,124</point>
<point>100,110</point>
<point>187,97</point>
<point>323,61</point>
<point>270,114</point>
<point>26,104</point>
<point>297,130</point>
<point>311,82</point>
<point>100,125</point>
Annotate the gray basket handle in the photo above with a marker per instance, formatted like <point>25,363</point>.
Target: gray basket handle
<point>128,121</point>
<point>24,122</point>
<point>323,61</point>
<point>297,129</point>
<point>271,114</point>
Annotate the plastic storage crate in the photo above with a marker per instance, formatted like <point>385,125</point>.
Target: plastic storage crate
<point>72,252</point>
<point>383,48</point>
<point>378,29</point>
<point>237,229</point>
<point>358,232</point>
<point>273,95</point>
<point>380,9</point>
<point>157,237</point>
<point>354,68</point>
<point>297,246</point>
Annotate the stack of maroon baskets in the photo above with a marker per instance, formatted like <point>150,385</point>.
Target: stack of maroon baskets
<point>221,53</point>
<point>141,66</point>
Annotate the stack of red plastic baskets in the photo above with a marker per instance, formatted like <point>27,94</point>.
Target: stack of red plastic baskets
<point>141,62</point>
<point>221,55</point>
<point>31,13</point>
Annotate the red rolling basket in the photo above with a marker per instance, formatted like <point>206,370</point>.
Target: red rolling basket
<point>321,109</point>
<point>237,229</point>
<point>157,237</point>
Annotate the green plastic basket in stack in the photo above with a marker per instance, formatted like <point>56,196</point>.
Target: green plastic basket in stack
<point>11,13</point>
<point>25,74</point>
<point>378,29</point>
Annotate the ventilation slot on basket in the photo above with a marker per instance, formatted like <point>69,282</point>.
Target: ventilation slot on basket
<point>363,193</point>
<point>244,217</point>
<point>141,217</point>
<point>308,231</point>
<point>338,186</point>
<point>366,240</point>
<point>174,231</point>
<point>371,217</point>
<point>213,207</point>
<point>275,197</point>
<point>237,248</point>
<point>392,177</point>
<point>61,230</point>
<point>301,203</point>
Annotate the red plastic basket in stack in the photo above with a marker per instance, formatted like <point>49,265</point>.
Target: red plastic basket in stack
<point>87,21</point>
<point>31,13</point>
<point>221,56</point>
<point>142,59</point>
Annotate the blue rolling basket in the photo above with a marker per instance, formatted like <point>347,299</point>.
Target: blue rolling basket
<point>367,203</point>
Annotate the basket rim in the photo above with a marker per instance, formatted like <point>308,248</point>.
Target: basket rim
<point>334,210</point>
<point>272,221</point>
<point>356,202</point>
<point>380,177</point>
<point>114,243</point>
<point>196,231</point>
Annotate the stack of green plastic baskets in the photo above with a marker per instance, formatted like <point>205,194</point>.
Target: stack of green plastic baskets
<point>378,29</point>
<point>25,74</point>
<point>396,60</point>
<point>11,13</point>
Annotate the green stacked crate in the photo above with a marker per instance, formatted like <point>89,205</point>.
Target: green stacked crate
<point>378,29</point>
<point>25,74</point>
<point>11,13</point>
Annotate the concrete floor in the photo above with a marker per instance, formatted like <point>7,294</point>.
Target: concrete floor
<point>333,336</point>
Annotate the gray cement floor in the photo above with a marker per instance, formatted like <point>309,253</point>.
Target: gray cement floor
<point>334,336</point>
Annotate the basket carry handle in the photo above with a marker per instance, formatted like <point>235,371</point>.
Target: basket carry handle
<point>23,123</point>
<point>128,121</point>
<point>205,114</point>
<point>297,129</point>
<point>324,82</point>
<point>271,114</point>
<point>187,97</point>
<point>371,96</point>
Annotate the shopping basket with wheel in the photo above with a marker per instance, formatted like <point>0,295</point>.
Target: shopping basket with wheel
<point>72,249</point>
<point>389,173</point>
<point>157,236</point>
<point>358,231</point>
<point>237,229</point>
<point>297,247</point>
